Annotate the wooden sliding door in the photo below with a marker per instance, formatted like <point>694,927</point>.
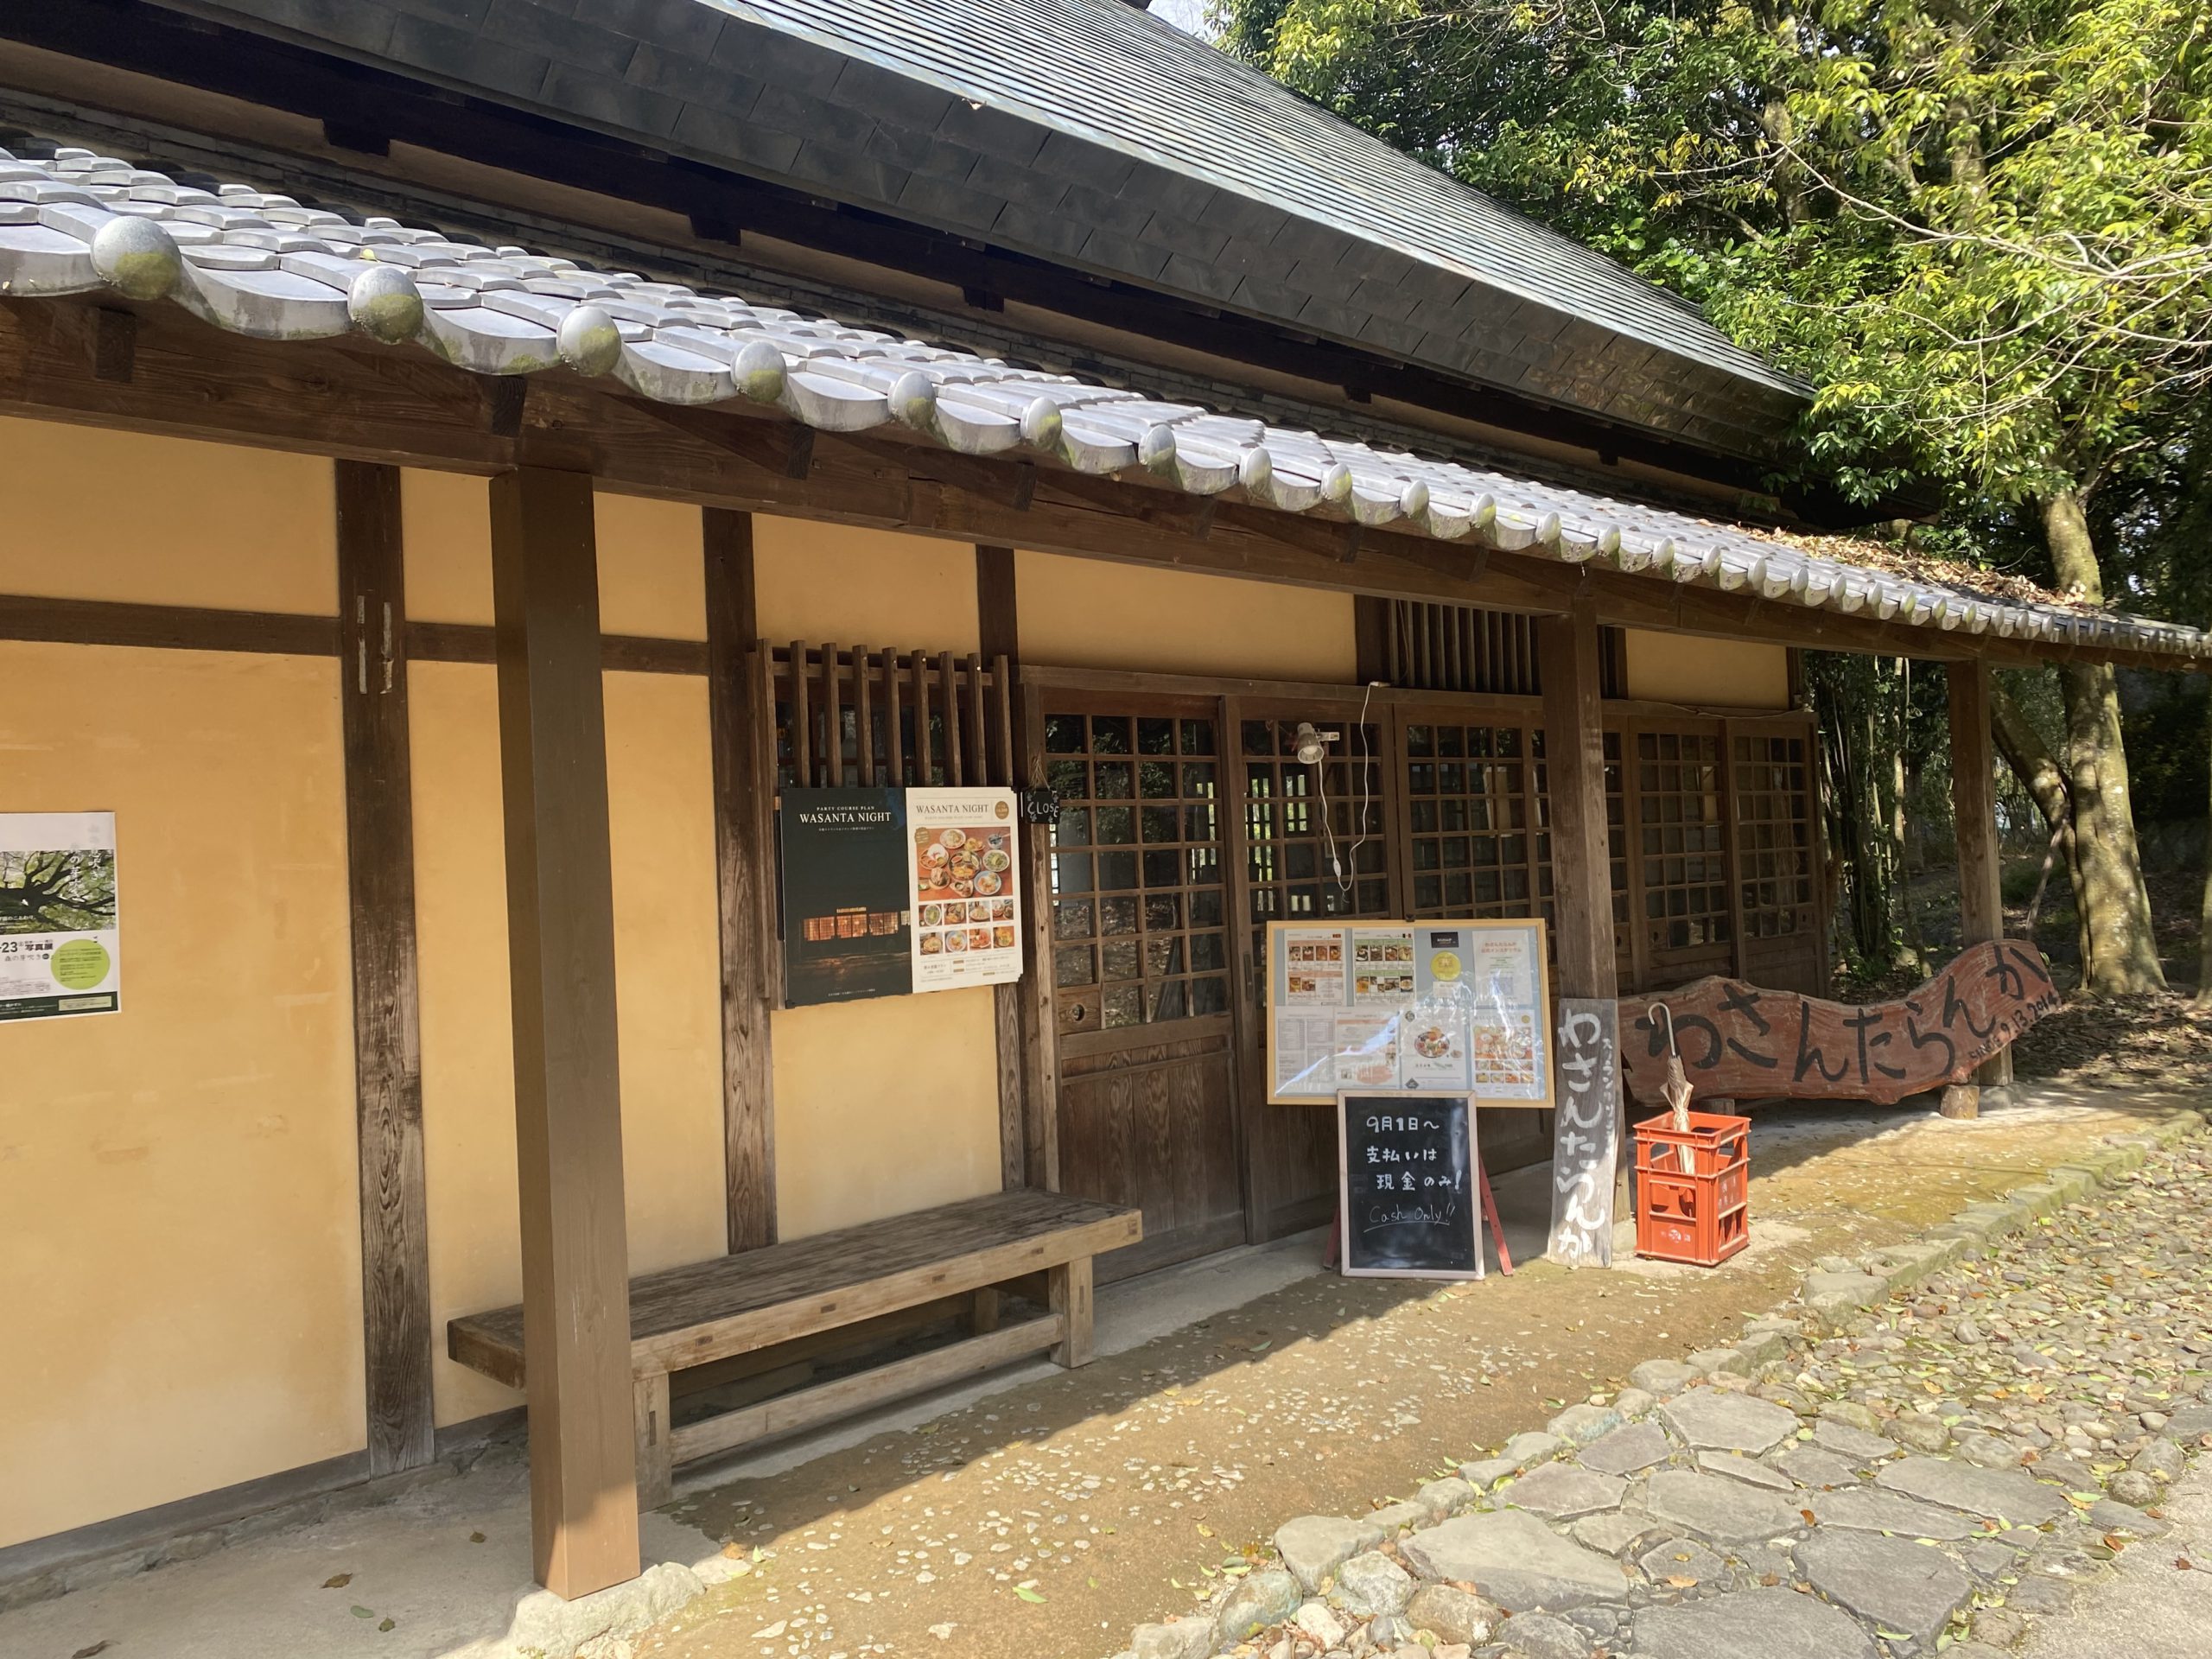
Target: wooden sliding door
<point>1139,966</point>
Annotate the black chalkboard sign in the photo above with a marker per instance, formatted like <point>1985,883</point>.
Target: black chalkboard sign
<point>1408,1186</point>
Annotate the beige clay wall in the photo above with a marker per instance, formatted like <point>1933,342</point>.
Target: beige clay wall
<point>891,1104</point>
<point>667,964</point>
<point>181,1266</point>
<point>1707,673</point>
<point>1091,613</point>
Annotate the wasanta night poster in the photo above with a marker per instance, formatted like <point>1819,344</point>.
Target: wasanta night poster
<point>845,897</point>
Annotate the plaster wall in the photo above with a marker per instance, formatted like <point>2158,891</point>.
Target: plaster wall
<point>1707,673</point>
<point>891,1104</point>
<point>1093,613</point>
<point>667,961</point>
<point>180,1258</point>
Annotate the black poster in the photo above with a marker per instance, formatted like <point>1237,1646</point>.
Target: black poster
<point>844,894</point>
<point>1410,1208</point>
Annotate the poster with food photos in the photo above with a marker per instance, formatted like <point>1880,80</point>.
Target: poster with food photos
<point>1442,1007</point>
<point>961,848</point>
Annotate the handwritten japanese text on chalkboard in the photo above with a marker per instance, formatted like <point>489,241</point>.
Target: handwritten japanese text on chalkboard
<point>1409,1189</point>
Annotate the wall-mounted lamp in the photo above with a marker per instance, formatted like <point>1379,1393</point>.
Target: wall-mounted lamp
<point>1311,748</point>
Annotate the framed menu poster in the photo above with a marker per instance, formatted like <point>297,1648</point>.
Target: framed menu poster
<point>1443,1007</point>
<point>965,891</point>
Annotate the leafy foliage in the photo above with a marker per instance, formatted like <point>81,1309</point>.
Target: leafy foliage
<point>1985,236</point>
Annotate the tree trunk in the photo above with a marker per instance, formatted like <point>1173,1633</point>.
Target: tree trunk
<point>2040,774</point>
<point>2204,935</point>
<point>2115,905</point>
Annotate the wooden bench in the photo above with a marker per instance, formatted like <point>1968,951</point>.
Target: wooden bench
<point>733,1305</point>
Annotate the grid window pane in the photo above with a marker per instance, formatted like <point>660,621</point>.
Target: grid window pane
<point>1136,861</point>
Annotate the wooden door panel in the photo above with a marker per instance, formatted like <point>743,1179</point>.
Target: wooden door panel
<point>1150,1127</point>
<point>1141,971</point>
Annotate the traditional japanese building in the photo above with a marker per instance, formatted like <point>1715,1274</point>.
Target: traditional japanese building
<point>464,457</point>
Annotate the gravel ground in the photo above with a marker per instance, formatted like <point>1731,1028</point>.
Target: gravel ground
<point>1940,1471</point>
<point>1048,1519</point>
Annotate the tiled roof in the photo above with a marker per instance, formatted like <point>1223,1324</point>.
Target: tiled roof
<point>1089,134</point>
<point>266,266</point>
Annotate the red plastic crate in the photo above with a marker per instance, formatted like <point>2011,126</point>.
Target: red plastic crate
<point>1693,1188</point>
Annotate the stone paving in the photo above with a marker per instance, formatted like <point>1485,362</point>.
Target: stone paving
<point>1931,1447</point>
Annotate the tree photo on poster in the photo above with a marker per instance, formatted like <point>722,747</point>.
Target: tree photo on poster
<point>60,947</point>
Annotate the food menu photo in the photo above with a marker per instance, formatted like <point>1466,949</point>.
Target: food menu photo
<point>1409,1007</point>
<point>961,845</point>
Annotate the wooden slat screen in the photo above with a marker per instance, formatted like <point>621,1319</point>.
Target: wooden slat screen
<point>1434,647</point>
<point>855,715</point>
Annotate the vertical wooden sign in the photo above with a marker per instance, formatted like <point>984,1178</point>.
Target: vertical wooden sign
<point>1587,1131</point>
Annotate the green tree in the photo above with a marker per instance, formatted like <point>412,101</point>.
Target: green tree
<point>1985,235</point>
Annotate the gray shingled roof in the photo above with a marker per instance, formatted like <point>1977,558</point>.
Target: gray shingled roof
<point>1090,134</point>
<point>264,265</point>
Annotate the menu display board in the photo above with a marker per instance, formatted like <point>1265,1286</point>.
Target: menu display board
<point>60,950</point>
<point>1449,1007</point>
<point>964,889</point>
<point>1407,1190</point>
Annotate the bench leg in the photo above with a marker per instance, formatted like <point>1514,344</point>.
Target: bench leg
<point>656,1461</point>
<point>1068,1290</point>
<point>983,1310</point>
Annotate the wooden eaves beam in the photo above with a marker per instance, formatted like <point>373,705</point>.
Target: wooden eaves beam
<point>353,399</point>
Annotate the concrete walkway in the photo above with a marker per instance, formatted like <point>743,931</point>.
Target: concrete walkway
<point>1229,1366</point>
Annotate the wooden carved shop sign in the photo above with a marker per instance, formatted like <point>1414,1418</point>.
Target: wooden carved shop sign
<point>1740,1042</point>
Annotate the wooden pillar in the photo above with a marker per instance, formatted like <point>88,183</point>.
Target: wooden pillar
<point>567,1095</point>
<point>1586,981</point>
<point>1574,771</point>
<point>744,863</point>
<point>1973,813</point>
<point>998,636</point>
<point>1371,629</point>
<point>387,1043</point>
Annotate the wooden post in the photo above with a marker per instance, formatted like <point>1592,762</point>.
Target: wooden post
<point>998,630</point>
<point>1973,813</point>
<point>743,863</point>
<point>1582,866</point>
<point>1574,770</point>
<point>387,1042</point>
<point>568,1093</point>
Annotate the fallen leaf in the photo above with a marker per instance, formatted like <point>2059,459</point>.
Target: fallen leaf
<point>475,1537</point>
<point>1810,1519</point>
<point>2183,1563</point>
<point>388,1625</point>
<point>100,1646</point>
<point>1026,1594</point>
<point>362,1612</point>
<point>1681,1580</point>
<point>1205,1531</point>
<point>338,1581</point>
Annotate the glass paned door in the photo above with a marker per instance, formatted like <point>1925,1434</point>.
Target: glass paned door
<point>1138,921</point>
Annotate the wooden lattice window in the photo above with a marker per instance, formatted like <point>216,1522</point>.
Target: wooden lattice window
<point>1774,856</point>
<point>1471,848</point>
<point>1139,919</point>
<point>1290,834</point>
<point>1682,835</point>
